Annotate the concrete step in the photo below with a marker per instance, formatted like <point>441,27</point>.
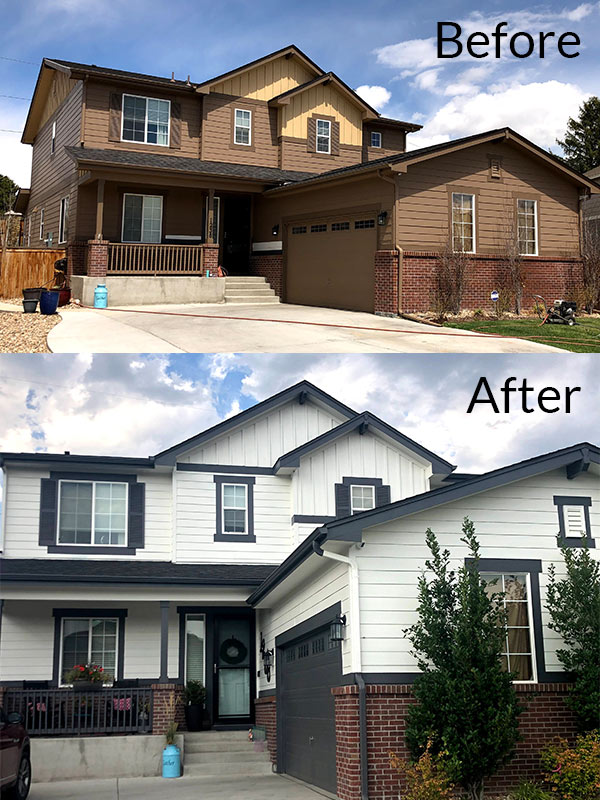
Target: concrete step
<point>234,748</point>
<point>251,299</point>
<point>217,738</point>
<point>226,770</point>
<point>225,756</point>
<point>245,280</point>
<point>251,291</point>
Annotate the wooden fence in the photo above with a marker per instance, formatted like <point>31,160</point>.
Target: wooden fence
<point>22,268</point>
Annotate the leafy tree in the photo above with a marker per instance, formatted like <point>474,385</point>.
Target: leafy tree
<point>8,191</point>
<point>467,705</point>
<point>574,605</point>
<point>581,144</point>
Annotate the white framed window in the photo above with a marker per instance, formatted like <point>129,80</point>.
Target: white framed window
<point>195,648</point>
<point>89,640</point>
<point>463,222</point>
<point>145,120</point>
<point>375,139</point>
<point>41,223</point>
<point>142,218</point>
<point>92,513</point>
<point>216,219</point>
<point>235,508</point>
<point>527,227</point>
<point>243,127</point>
<point>362,498</point>
<point>53,139</point>
<point>323,136</point>
<point>519,647</point>
<point>63,220</point>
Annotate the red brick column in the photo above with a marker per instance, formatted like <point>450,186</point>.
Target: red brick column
<point>77,258</point>
<point>266,716</point>
<point>97,258</point>
<point>387,279</point>
<point>161,712</point>
<point>270,267</point>
<point>210,259</point>
<point>347,742</point>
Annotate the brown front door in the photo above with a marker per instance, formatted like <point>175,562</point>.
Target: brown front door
<point>330,262</point>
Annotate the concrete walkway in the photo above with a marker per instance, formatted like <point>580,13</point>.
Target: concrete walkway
<point>242,329</point>
<point>265,787</point>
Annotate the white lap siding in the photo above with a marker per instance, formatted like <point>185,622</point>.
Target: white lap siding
<point>517,521</point>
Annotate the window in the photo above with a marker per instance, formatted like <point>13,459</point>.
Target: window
<point>146,120</point>
<point>517,656</point>
<point>527,227</point>
<point>299,229</point>
<point>243,127</point>
<point>142,218</point>
<point>195,638</point>
<point>340,226</point>
<point>323,136</point>
<point>360,224</point>
<point>63,220</point>
<point>92,513</point>
<point>463,222</point>
<point>574,521</point>
<point>318,228</point>
<point>375,139</point>
<point>42,223</point>
<point>88,640</point>
<point>53,139</point>
<point>235,508</point>
<point>362,498</point>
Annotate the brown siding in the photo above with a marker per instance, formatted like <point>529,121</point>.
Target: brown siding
<point>217,132</point>
<point>393,141</point>
<point>295,155</point>
<point>96,133</point>
<point>423,208</point>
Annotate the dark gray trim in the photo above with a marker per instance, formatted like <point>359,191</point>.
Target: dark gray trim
<point>385,678</point>
<point>572,541</point>
<point>164,641</point>
<point>89,612</point>
<point>343,494</point>
<point>311,519</point>
<point>267,693</point>
<point>311,625</point>
<point>92,549</point>
<point>235,469</point>
<point>362,481</point>
<point>109,477</point>
<point>169,456</point>
<point>533,565</point>
<point>220,535</point>
<point>575,469</point>
<point>64,459</point>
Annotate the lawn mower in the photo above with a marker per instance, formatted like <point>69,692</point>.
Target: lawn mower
<point>562,312</point>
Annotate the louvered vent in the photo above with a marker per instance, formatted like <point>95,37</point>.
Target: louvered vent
<point>495,168</point>
<point>574,521</point>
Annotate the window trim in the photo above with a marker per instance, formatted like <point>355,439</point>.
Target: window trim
<point>370,486</point>
<point>146,98</point>
<point>224,508</point>
<point>328,137</point>
<point>53,139</point>
<point>234,480</point>
<point>63,219</point>
<point>560,501</point>
<point>242,127</point>
<point>455,191</point>
<point>92,543</point>
<point>376,146</point>
<point>41,224</point>
<point>140,194</point>
<point>536,224</point>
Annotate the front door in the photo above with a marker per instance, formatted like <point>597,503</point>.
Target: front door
<point>236,234</point>
<point>233,658</point>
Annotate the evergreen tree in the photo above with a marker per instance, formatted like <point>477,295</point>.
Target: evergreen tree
<point>581,144</point>
<point>8,191</point>
<point>467,705</point>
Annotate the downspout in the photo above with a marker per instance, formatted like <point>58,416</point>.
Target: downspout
<point>355,650</point>
<point>396,246</point>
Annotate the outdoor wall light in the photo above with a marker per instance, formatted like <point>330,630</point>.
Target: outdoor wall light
<point>275,230</point>
<point>267,658</point>
<point>382,217</point>
<point>336,629</point>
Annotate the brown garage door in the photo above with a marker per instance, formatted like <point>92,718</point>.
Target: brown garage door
<point>331,262</point>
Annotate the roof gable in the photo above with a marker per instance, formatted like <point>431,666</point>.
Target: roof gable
<point>328,78</point>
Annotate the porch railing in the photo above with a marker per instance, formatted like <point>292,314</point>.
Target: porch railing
<point>155,259</point>
<point>64,712</point>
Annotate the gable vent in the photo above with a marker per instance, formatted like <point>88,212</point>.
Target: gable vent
<point>495,168</point>
<point>575,521</point>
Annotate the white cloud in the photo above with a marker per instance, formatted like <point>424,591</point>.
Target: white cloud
<point>579,13</point>
<point>427,79</point>
<point>376,96</point>
<point>411,55</point>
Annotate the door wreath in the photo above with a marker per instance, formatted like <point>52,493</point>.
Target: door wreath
<point>233,651</point>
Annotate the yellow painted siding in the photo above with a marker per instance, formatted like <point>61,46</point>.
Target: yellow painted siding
<point>322,100</point>
<point>266,80</point>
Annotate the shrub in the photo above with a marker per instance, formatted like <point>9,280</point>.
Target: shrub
<point>194,693</point>
<point>449,281</point>
<point>529,791</point>
<point>426,779</point>
<point>573,773</point>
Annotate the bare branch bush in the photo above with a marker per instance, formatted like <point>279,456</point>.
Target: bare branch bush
<point>449,281</point>
<point>589,293</point>
<point>511,276</point>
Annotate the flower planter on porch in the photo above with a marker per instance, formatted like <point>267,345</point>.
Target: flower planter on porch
<point>87,686</point>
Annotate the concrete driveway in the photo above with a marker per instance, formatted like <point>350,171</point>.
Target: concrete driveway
<point>262,329</point>
<point>264,787</point>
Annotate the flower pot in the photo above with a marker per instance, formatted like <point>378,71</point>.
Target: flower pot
<point>86,686</point>
<point>29,306</point>
<point>48,302</point>
<point>193,717</point>
<point>32,294</point>
<point>64,297</point>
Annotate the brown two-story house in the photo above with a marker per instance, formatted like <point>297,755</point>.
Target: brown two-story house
<point>280,170</point>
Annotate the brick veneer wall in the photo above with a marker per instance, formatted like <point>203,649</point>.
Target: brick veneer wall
<point>265,714</point>
<point>270,267</point>
<point>97,258</point>
<point>386,282</point>
<point>161,714</point>
<point>552,278</point>
<point>210,258</point>
<point>76,258</point>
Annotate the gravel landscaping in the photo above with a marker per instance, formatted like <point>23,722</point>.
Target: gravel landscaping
<point>25,333</point>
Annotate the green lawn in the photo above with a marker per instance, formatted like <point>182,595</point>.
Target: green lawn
<point>581,338</point>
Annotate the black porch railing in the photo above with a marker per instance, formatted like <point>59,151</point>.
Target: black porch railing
<point>65,712</point>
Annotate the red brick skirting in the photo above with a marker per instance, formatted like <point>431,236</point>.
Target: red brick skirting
<point>76,258</point>
<point>270,267</point>
<point>97,258</point>
<point>266,716</point>
<point>386,282</point>
<point>161,713</point>
<point>551,277</point>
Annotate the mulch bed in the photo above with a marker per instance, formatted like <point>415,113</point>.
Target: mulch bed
<point>25,333</point>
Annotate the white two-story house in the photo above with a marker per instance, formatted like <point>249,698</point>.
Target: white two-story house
<point>275,558</point>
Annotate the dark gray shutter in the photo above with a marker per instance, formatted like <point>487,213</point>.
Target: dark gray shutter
<point>382,495</point>
<point>335,138</point>
<point>175,133</point>
<point>114,117</point>
<point>137,509</point>
<point>48,511</point>
<point>311,139</point>
<point>342,500</point>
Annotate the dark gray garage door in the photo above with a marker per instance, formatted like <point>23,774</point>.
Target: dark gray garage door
<point>309,668</point>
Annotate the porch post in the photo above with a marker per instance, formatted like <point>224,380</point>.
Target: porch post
<point>210,237</point>
<point>100,208</point>
<point>164,641</point>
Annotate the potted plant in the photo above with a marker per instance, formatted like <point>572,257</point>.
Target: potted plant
<point>87,677</point>
<point>171,762</point>
<point>194,695</point>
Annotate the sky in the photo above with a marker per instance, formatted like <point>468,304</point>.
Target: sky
<point>138,405</point>
<point>384,50</point>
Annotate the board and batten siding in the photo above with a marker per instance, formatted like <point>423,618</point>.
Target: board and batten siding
<point>516,521</point>
<point>196,498</point>
<point>267,80</point>
<point>328,587</point>
<point>355,456</point>
<point>323,99</point>
<point>22,511</point>
<point>264,439</point>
